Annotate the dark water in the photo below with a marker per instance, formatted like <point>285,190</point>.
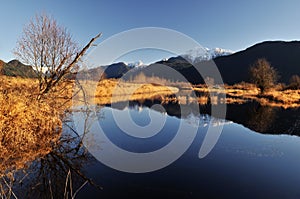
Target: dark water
<point>262,119</point>
<point>243,163</point>
<point>256,156</point>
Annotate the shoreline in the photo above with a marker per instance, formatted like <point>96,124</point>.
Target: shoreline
<point>237,94</point>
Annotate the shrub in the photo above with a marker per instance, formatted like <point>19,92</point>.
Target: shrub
<point>263,75</point>
<point>294,82</point>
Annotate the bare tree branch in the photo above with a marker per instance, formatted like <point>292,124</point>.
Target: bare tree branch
<point>67,69</point>
<point>50,50</point>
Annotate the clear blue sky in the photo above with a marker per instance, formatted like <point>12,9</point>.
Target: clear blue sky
<point>229,24</point>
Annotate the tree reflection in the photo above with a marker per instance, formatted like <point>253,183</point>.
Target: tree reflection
<point>261,118</point>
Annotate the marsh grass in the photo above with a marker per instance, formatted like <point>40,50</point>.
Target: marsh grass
<point>31,128</point>
<point>111,91</point>
<point>28,127</point>
<point>244,92</point>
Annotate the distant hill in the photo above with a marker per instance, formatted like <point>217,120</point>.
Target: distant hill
<point>17,69</point>
<point>283,56</point>
<point>234,68</point>
<point>115,70</point>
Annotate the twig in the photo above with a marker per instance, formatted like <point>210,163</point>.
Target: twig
<point>79,189</point>
<point>10,189</point>
<point>51,194</point>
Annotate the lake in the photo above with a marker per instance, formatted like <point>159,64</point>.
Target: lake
<point>256,155</point>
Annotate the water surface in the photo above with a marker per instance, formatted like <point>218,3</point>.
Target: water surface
<point>256,156</point>
<point>243,163</point>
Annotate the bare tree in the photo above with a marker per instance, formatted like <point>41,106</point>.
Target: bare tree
<point>295,82</point>
<point>50,49</point>
<point>263,75</point>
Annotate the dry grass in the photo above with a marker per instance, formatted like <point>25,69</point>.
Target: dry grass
<point>28,128</point>
<point>241,93</point>
<point>111,91</point>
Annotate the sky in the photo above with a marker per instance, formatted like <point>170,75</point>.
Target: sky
<point>228,24</point>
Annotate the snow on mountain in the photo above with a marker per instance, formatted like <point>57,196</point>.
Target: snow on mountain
<point>194,55</point>
<point>217,52</point>
<point>204,54</point>
<point>136,64</point>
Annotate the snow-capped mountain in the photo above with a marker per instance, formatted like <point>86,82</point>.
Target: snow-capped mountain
<point>135,64</point>
<point>204,54</point>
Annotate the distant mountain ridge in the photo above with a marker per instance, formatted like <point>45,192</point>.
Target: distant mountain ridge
<point>117,70</point>
<point>205,54</point>
<point>17,69</point>
<point>234,67</point>
<point>283,56</point>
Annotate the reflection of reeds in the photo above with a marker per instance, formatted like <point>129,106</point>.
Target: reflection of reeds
<point>287,98</point>
<point>203,99</point>
<point>214,100</point>
<point>6,184</point>
<point>230,100</point>
<point>68,191</point>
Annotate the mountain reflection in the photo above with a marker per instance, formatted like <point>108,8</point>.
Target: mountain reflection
<point>60,173</point>
<point>262,119</point>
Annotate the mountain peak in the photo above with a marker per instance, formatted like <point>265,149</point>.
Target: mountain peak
<point>14,62</point>
<point>136,64</point>
<point>16,68</point>
<point>199,54</point>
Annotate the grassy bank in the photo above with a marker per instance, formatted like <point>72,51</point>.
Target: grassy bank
<point>29,128</point>
<point>241,93</point>
<point>111,90</point>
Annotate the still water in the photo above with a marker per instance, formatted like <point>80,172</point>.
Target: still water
<point>242,164</point>
<point>260,163</point>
